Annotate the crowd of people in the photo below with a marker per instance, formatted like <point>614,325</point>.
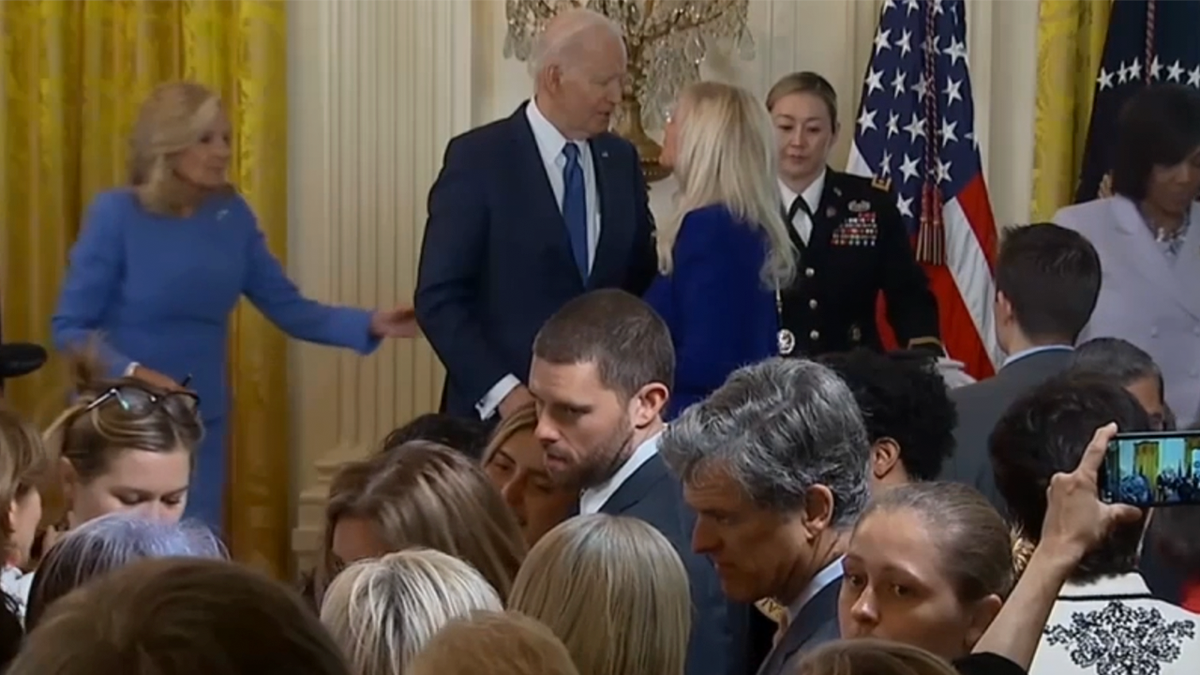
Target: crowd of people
<point>666,448</point>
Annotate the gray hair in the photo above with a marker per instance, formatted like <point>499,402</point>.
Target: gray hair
<point>564,32</point>
<point>108,543</point>
<point>778,428</point>
<point>1122,362</point>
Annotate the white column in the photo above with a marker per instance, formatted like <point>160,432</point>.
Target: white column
<point>376,89</point>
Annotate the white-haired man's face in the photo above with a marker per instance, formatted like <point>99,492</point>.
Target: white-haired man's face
<point>585,83</point>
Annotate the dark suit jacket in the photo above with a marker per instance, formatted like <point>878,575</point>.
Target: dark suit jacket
<point>653,495</point>
<point>496,259</point>
<point>859,247</point>
<point>980,407</point>
<point>720,313</point>
<point>816,625</point>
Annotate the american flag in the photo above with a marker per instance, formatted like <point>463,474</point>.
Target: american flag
<point>916,128</point>
<point>1148,42</point>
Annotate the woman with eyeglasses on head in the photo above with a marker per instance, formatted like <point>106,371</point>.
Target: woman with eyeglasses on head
<point>161,263</point>
<point>125,445</point>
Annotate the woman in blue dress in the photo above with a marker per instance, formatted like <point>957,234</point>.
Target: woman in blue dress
<point>725,253</point>
<point>160,265</point>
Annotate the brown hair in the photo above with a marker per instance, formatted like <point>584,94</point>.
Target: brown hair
<point>877,657</point>
<point>522,419</point>
<point>171,119</point>
<point>618,332</point>
<point>23,463</point>
<point>975,547</point>
<point>426,495</point>
<point>806,82</point>
<point>181,616</point>
<point>89,439</point>
<point>494,643</point>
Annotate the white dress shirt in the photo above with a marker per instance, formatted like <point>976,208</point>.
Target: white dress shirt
<point>801,223</point>
<point>550,143</point>
<point>1035,350</point>
<point>594,499</point>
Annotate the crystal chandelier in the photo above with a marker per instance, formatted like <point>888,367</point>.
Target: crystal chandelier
<point>666,41</point>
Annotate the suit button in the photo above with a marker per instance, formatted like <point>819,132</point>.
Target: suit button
<point>809,272</point>
<point>812,304</point>
<point>815,335</point>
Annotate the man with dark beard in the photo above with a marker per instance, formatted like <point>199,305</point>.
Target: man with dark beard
<point>602,371</point>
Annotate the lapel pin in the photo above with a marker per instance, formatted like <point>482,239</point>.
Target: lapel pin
<point>221,214</point>
<point>837,191</point>
<point>604,154</point>
<point>830,212</point>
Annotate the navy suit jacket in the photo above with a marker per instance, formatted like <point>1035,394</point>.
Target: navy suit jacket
<point>496,260</point>
<point>720,313</point>
<point>816,624</point>
<point>653,495</point>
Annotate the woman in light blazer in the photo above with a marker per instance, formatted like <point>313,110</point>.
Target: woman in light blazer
<point>1148,238</point>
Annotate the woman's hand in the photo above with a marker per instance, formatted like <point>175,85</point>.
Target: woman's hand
<point>156,379</point>
<point>1076,520</point>
<point>400,322</point>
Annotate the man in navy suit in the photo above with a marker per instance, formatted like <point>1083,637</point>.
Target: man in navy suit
<point>774,463</point>
<point>602,371</point>
<point>530,212</point>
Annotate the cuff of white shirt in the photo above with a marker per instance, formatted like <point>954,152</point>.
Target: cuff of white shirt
<point>131,369</point>
<point>488,404</point>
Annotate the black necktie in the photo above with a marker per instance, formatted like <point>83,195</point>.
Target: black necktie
<point>798,204</point>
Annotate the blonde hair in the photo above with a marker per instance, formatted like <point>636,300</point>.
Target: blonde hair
<point>522,419</point>
<point>173,118</point>
<point>494,643</point>
<point>727,156</point>
<point>614,591</point>
<point>90,435</point>
<point>806,82</point>
<point>24,462</point>
<point>426,495</point>
<point>383,612</point>
<point>877,657</point>
<point>181,616</point>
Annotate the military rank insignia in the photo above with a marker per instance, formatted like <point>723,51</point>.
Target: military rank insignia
<point>860,229</point>
<point>884,184</point>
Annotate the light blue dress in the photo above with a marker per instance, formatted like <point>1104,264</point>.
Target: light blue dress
<point>159,290</point>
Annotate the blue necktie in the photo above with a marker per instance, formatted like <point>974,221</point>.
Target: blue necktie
<point>574,208</point>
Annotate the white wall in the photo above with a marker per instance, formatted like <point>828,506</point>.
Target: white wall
<point>376,90</point>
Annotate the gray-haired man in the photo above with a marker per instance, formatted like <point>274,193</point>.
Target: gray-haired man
<point>775,465</point>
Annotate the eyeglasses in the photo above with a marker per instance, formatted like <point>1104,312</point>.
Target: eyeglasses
<point>140,401</point>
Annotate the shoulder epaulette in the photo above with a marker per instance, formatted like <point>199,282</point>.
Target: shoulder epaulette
<point>884,184</point>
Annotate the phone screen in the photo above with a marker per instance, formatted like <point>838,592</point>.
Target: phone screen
<point>1152,469</point>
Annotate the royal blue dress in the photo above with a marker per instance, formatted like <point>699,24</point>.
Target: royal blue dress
<point>159,290</point>
<point>720,313</point>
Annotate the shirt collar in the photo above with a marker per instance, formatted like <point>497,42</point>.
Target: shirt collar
<point>812,193</point>
<point>828,574</point>
<point>550,140</point>
<point>593,499</point>
<point>1012,358</point>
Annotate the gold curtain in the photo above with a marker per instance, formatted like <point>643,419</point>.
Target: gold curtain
<point>1070,47</point>
<point>72,75</point>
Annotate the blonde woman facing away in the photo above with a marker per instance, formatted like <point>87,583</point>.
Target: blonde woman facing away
<point>725,253</point>
<point>161,263</point>
<point>383,611</point>
<point>614,590</point>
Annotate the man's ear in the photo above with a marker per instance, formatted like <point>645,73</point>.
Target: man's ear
<point>648,404</point>
<point>818,511</point>
<point>885,457</point>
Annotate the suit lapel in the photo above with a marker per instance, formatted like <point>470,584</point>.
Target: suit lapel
<point>1186,270</point>
<point>1148,259</point>
<point>636,486</point>
<point>616,233</point>
<point>530,187</point>
<point>813,616</point>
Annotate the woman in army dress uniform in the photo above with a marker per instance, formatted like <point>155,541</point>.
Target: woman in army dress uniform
<point>852,241</point>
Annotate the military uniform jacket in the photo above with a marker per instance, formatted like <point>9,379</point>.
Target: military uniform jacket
<point>858,247</point>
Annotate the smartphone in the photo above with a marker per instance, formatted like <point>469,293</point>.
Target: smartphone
<point>1160,468</point>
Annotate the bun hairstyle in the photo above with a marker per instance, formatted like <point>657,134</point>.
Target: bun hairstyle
<point>88,435</point>
<point>1022,551</point>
